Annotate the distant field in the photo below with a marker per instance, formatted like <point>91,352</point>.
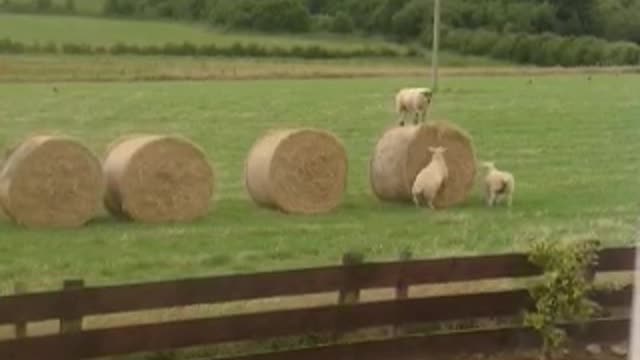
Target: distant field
<point>130,68</point>
<point>100,31</point>
<point>82,6</point>
<point>572,146</point>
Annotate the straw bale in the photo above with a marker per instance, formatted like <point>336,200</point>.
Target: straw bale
<point>158,179</point>
<point>297,171</point>
<point>402,152</point>
<point>51,181</point>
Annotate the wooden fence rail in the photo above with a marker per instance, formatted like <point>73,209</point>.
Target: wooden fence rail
<point>75,302</point>
<point>124,298</point>
<point>412,347</point>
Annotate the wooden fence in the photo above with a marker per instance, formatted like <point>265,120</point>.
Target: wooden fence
<point>74,302</point>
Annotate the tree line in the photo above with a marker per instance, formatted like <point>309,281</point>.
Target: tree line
<point>580,32</point>
<point>544,32</point>
<point>402,19</point>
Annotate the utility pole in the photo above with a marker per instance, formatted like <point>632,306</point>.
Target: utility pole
<point>436,44</point>
<point>635,317</point>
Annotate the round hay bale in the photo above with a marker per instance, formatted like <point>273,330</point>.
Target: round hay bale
<point>51,181</point>
<point>402,152</point>
<point>461,161</point>
<point>297,171</point>
<point>158,179</point>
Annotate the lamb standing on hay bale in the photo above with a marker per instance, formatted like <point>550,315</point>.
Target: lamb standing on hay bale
<point>158,179</point>
<point>297,171</point>
<point>431,179</point>
<point>402,152</point>
<point>499,185</point>
<point>51,181</point>
<point>414,101</point>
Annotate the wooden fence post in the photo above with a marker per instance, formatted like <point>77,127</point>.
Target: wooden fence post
<point>402,289</point>
<point>71,324</point>
<point>20,327</point>
<point>350,290</point>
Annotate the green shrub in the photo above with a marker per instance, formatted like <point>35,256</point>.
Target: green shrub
<point>322,23</point>
<point>237,49</point>
<point>8,46</point>
<point>545,49</point>
<point>68,48</point>
<point>563,294</point>
<point>342,23</point>
<point>263,15</point>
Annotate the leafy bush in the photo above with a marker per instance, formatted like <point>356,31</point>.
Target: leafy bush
<point>410,21</point>
<point>342,23</point>
<point>543,49</point>
<point>563,294</point>
<point>236,49</point>
<point>264,15</point>
<point>322,23</point>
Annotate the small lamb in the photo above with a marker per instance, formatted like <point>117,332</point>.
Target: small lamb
<point>413,100</point>
<point>431,179</point>
<point>499,185</point>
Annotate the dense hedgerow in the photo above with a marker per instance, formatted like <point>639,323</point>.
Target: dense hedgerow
<point>237,49</point>
<point>543,49</point>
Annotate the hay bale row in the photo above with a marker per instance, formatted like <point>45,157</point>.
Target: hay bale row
<point>402,152</point>
<point>55,181</point>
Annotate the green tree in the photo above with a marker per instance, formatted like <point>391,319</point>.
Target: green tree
<point>281,15</point>
<point>342,23</point>
<point>412,19</point>
<point>70,6</point>
<point>263,15</point>
<point>576,16</point>
<point>43,4</point>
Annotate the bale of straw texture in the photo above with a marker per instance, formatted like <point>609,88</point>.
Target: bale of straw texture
<point>402,152</point>
<point>297,171</point>
<point>157,179</point>
<point>51,181</point>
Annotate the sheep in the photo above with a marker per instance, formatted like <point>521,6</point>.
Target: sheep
<point>499,185</point>
<point>431,180</point>
<point>413,100</point>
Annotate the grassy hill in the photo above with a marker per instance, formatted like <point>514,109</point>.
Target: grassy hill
<point>89,7</point>
<point>102,31</point>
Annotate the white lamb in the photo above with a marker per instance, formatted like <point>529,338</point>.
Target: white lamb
<point>431,180</point>
<point>415,101</point>
<point>499,185</point>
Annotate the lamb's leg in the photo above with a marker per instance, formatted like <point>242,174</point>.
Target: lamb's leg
<point>416,199</point>
<point>509,200</point>
<point>416,118</point>
<point>491,198</point>
<point>431,204</point>
<point>401,118</point>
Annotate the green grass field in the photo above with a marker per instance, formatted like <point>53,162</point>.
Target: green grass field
<point>91,7</point>
<point>572,144</point>
<point>102,31</point>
